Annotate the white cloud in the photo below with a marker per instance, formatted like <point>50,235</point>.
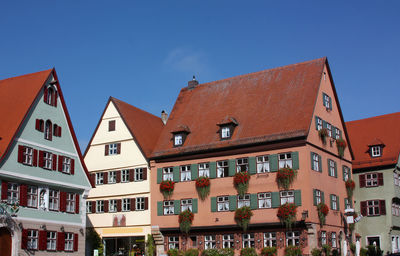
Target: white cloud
<point>185,60</point>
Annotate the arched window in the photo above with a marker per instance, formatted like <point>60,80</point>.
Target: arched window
<point>50,96</point>
<point>48,130</point>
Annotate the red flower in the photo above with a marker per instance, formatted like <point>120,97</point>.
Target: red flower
<point>350,184</point>
<point>323,208</point>
<point>241,178</point>
<point>202,182</point>
<point>167,186</point>
<point>341,143</point>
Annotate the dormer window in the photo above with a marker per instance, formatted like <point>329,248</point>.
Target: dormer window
<point>376,151</point>
<point>179,135</point>
<point>227,125</point>
<point>225,132</point>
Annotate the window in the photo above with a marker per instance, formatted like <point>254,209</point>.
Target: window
<point>228,241</point>
<point>204,170</point>
<point>39,125</point>
<point>334,241</point>
<point>66,164</point>
<point>264,200</point>
<point>139,204</point>
<point>173,242</point>
<point>209,242</point>
<point>323,237</point>
<point>395,209</point>
<point>28,156</point>
<point>248,240</point>
<point>126,204</point>
<point>269,239</point>
<point>292,238</point>
<point>327,101</point>
<point>242,165</point>
<point>186,204</point>
<point>168,173</point>
<point>396,178</point>
<point>222,203</point>
<point>329,128</point>
<point>334,203</point>
<point>125,176</point>
<point>32,197</point>
<point>222,169</point>
<point>332,168</point>
<point>48,160</point>
<point>138,174</point>
<point>316,164</point>
<point>51,240</point>
<point>50,96</point>
<point>371,179</point>
<point>89,206</point>
<point>243,200</point>
<point>347,203</point>
<point>12,193</point>
<point>225,132</point>
<point>287,197</point>
<point>69,242</point>
<point>32,243</point>
<point>112,177</point>
<point>376,151</point>
<point>262,164</point>
<point>112,149</point>
<point>47,130</point>
<point>285,160</point>
<point>70,202</point>
<point>318,123</point>
<point>185,173</point>
<point>337,133</point>
<point>99,178</point>
<point>112,205</point>
<point>168,207</point>
<point>54,199</point>
<point>373,207</point>
<point>318,196</point>
<point>111,125</point>
<point>178,140</point>
<point>346,173</point>
<point>99,206</point>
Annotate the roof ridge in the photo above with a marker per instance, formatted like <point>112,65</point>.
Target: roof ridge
<point>136,108</point>
<point>375,117</point>
<point>26,75</point>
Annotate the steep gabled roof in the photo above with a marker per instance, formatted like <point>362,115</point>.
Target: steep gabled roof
<point>269,105</point>
<point>17,96</point>
<point>376,130</point>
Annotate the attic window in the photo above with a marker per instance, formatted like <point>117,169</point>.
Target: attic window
<point>225,132</point>
<point>50,96</point>
<point>178,139</point>
<point>227,126</point>
<point>376,151</point>
<point>179,135</point>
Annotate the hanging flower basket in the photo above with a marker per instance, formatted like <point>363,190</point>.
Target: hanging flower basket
<point>323,133</point>
<point>243,216</point>
<point>287,214</point>
<point>350,185</point>
<point>185,221</point>
<point>167,188</point>
<point>323,211</point>
<point>341,146</point>
<point>203,187</point>
<point>285,177</point>
<point>241,182</point>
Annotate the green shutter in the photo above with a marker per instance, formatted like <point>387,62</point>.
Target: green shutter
<point>316,122</point>
<point>253,201</point>
<point>333,131</point>
<point>312,161</point>
<point>273,163</point>
<point>320,163</point>
<point>295,160</point>
<point>159,175</point>
<point>322,197</point>
<point>177,206</point>
<point>330,103</point>
<point>340,133</point>
<point>176,174</point>
<point>232,167</point>
<point>323,124</point>
<point>331,197</point>
<point>193,170</point>
<point>335,169</point>
<point>232,203</point>
<point>315,196</point>
<point>329,167</point>
<point>160,210</point>
<point>213,204</point>
<point>252,165</point>
<point>338,203</point>
<point>349,173</point>
<point>351,202</point>
<point>297,197</point>
<point>275,200</point>
<point>213,170</point>
<point>194,205</point>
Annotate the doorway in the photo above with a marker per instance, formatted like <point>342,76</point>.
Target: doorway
<point>5,242</point>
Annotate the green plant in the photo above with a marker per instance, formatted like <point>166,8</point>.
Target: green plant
<point>226,252</point>
<point>241,182</point>
<point>185,221</point>
<point>249,251</point>
<point>316,252</point>
<point>323,211</point>
<point>326,249</point>
<point>287,214</point>
<point>175,252</point>
<point>203,187</point>
<point>341,145</point>
<point>374,251</point>
<point>323,133</point>
<point>268,251</point>
<point>292,251</point>
<point>210,252</point>
<point>363,252</point>
<point>353,248</point>
<point>150,246</point>
<point>94,240</point>
<point>335,252</point>
<point>350,185</point>
<point>192,252</point>
<point>285,177</point>
<point>243,216</point>
<point>352,227</point>
<point>167,188</point>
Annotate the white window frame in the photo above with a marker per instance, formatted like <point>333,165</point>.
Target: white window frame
<point>113,149</point>
<point>12,193</point>
<point>32,239</point>
<point>112,205</point>
<point>210,242</point>
<point>28,155</point>
<point>327,100</point>
<point>66,165</point>
<point>371,179</point>
<point>319,124</point>
<point>70,202</point>
<point>248,240</point>
<point>99,178</point>
<point>51,240</point>
<point>139,203</point>
<point>32,196</point>
<point>228,241</point>
<point>186,204</point>
<point>99,206</point>
<point>329,128</point>
<point>286,196</point>
<point>285,160</point>
<point>334,202</point>
<point>264,200</point>
<point>54,200</point>
<point>222,169</point>
<point>318,196</point>
<point>376,151</point>
<point>173,242</point>
<point>126,204</point>
<point>112,177</point>
<point>334,240</point>
<point>347,203</point>
<point>222,203</point>
<point>316,163</point>
<point>269,239</point>
<point>337,133</point>
<point>292,238</point>
<point>138,172</point>
<point>124,175</point>
<point>168,207</point>
<point>346,173</point>
<point>47,160</point>
<point>178,139</point>
<point>242,164</point>
<point>225,132</point>
<point>331,168</point>
<point>373,208</point>
<point>185,173</point>
<point>89,207</point>
<point>168,173</point>
<point>204,170</point>
<point>69,242</point>
<point>243,200</point>
<point>263,164</point>
<point>323,238</point>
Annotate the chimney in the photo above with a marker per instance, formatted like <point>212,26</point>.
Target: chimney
<point>192,83</point>
<point>164,117</point>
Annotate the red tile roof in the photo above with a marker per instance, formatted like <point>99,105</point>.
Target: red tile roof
<point>373,131</point>
<point>269,105</point>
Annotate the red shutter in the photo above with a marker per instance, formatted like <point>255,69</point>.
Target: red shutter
<point>63,201</point>
<point>23,195</point>
<point>144,173</point>
<point>41,158</point>
<point>72,166</point>
<point>24,239</point>
<point>146,203</point>
<point>45,94</point>
<point>4,188</point>
<point>118,179</point>
<point>60,241</point>
<point>106,150</point>
<point>54,162</point>
<point>76,203</point>
<point>60,163</point>
<point>105,178</point>
<point>59,131</point>
<point>133,205</point>
<point>42,240</point>
<point>105,205</point>
<point>362,180</point>
<point>37,125</point>
<point>119,203</point>
<point>93,206</point>
<point>380,179</point>
<point>20,154</point>
<point>55,130</point>
<point>35,156</point>
<point>75,242</point>
<point>41,125</point>
<point>382,207</point>
<point>319,239</point>
<point>55,99</point>
<point>118,148</point>
<point>93,178</point>
<point>131,175</point>
<point>363,206</point>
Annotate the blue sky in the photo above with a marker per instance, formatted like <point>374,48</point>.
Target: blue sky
<point>144,52</point>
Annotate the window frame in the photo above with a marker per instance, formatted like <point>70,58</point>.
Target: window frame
<point>173,242</point>
<point>27,156</point>
<point>262,164</point>
<point>288,198</point>
<point>32,238</point>
<point>269,239</point>
<point>316,163</point>
<point>69,242</point>
<point>51,241</point>
<point>70,202</point>
<point>13,190</point>
<point>318,196</point>
<point>334,240</point>
<point>228,241</point>
<point>113,149</point>
<point>204,169</point>
<point>99,206</point>
<point>32,197</point>
<point>243,200</point>
<point>224,202</point>
<point>54,200</point>
<point>222,168</point>
<point>376,151</point>
<point>185,173</point>
<point>168,207</point>
<point>99,178</point>
<point>112,205</point>
<point>168,173</point>
<point>264,197</point>
<point>242,164</point>
<point>47,160</point>
<point>292,238</point>
<point>369,178</point>
<point>226,132</point>
<point>285,160</point>
<point>248,239</point>
<point>125,176</point>
<point>138,174</point>
<point>331,168</point>
<point>210,242</point>
<point>140,204</point>
<point>376,211</point>
<point>178,139</point>
<point>187,204</point>
<point>126,205</point>
<point>111,177</point>
<point>334,202</point>
<point>66,165</point>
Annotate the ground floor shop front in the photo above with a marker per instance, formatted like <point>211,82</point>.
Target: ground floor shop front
<point>129,246</point>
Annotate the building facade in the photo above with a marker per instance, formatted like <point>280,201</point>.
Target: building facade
<point>117,159</point>
<point>376,145</point>
<point>260,124</point>
<point>44,182</point>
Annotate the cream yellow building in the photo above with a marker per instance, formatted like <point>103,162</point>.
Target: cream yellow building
<point>117,160</point>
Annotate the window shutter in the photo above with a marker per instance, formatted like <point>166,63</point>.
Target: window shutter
<point>273,162</point>
<point>20,154</point>
<point>194,205</point>
<point>362,180</point>
<point>133,204</point>
<point>330,103</point>
<point>194,172</point>
<point>42,240</point>
<point>213,204</point>
<point>60,163</point>
<point>119,205</point>
<point>54,103</point>
<point>105,205</point>
<point>45,94</point>
<point>76,242</point>
<point>323,124</point>
<point>146,203</point>
<point>335,169</point>
<point>329,238</point>
<point>176,173</point>
<point>118,174</point>
<point>344,172</point>
<point>59,131</point>
<point>252,165</point>
<point>380,179</point>
<point>105,177</point>
<point>159,175</point>
<point>106,151</point>
<point>160,209</point>
<point>213,170</point>
<point>24,239</point>
<point>177,206</point>
<point>319,239</point>
<point>322,197</point>
<point>363,207</point>
<point>316,122</point>
<point>333,131</point>
<point>37,124</point>
<point>232,202</point>
<point>131,175</point>
<point>315,196</point>
<point>54,162</point>
<point>331,201</point>
<point>275,200</point>
<point>312,161</point>
<point>35,156</point>
<point>144,173</point>
<point>77,196</point>
<point>72,166</point>
<point>232,167</point>
<point>41,158</point>
<point>93,206</point>
<point>338,203</point>
<point>382,207</point>
<point>320,163</point>
<point>60,241</point>
<point>253,201</point>
<point>297,197</point>
<point>295,160</point>
<point>4,188</point>
<point>41,125</point>
<point>63,201</point>
<point>55,131</point>
<point>118,148</point>
<point>23,195</point>
<point>93,178</point>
